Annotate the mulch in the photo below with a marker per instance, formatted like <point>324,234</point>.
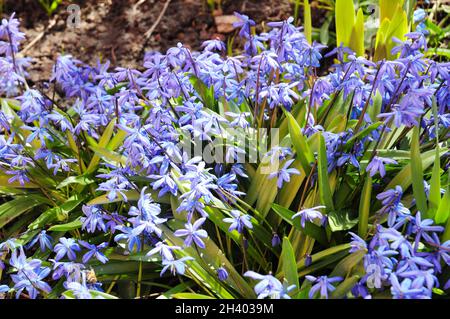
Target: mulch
<point>114,29</point>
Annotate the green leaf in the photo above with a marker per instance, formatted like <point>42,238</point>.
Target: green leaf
<point>443,211</point>
<point>290,189</point>
<point>345,19</point>
<point>109,155</point>
<point>417,173</point>
<point>66,227</point>
<point>51,214</point>
<point>177,289</point>
<point>375,108</point>
<point>364,207</point>
<point>398,27</point>
<point>341,220</point>
<point>404,179</point>
<point>324,30</point>
<point>446,234</point>
<point>361,134</point>
<point>289,264</point>
<point>388,7</point>
<point>117,88</point>
<point>434,197</point>
<point>346,265</point>
<point>94,293</point>
<point>326,196</point>
<point>81,180</point>
<point>325,262</point>
<point>131,195</point>
<point>307,24</point>
<point>117,140</point>
<point>344,287</point>
<point>206,94</point>
<point>200,268</point>
<point>100,294</point>
<point>102,143</point>
<point>304,154</point>
<point>380,42</point>
<point>188,295</point>
<point>310,229</point>
<point>16,207</point>
<point>439,52</point>
<point>4,182</point>
<point>357,35</point>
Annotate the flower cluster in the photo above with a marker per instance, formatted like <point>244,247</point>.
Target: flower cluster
<point>407,257</point>
<point>98,159</point>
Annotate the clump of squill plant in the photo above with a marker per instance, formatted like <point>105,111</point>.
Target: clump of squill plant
<point>346,195</point>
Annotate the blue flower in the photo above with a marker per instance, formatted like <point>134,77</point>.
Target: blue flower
<point>322,285</point>
<point>425,278</point>
<point>397,241</point>
<point>245,23</point>
<point>391,196</point>
<point>309,214</point>
<point>213,45</point>
<point>94,251</point>
<point>239,221</point>
<point>406,289</point>
<point>269,286</point>
<point>66,246</point>
<point>19,261</point>
<point>176,266</point>
<point>164,250</point>
<point>70,270</point>
<point>377,165</point>
<point>79,290</point>
<point>94,219</point>
<point>222,274</point>
<point>422,227</point>
<point>283,175</point>
<point>357,243</point>
<point>45,241</point>
<point>4,289</point>
<point>406,113</point>
<point>193,233</point>
<point>38,132</point>
<point>131,235</point>
<point>392,206</point>
<point>276,240</point>
<point>31,281</point>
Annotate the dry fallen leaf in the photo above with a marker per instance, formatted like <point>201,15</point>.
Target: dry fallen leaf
<point>225,23</point>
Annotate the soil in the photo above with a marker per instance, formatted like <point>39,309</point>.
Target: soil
<point>114,29</point>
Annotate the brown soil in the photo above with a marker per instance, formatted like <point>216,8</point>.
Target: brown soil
<point>114,29</point>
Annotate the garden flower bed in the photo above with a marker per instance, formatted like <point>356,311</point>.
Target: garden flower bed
<point>228,172</point>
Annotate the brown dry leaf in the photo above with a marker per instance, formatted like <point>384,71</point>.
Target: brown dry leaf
<point>225,23</point>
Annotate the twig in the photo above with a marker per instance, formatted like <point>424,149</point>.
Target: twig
<point>150,31</point>
<point>50,25</point>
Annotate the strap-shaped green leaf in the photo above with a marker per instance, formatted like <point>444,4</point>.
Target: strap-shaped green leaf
<point>289,263</point>
<point>417,173</point>
<point>435,182</point>
<point>16,207</point>
<point>301,146</point>
<point>75,224</point>
<point>326,196</point>
<point>364,207</point>
<point>357,36</point>
<point>345,19</point>
<point>307,24</point>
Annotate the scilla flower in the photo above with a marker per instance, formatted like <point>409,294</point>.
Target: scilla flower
<point>239,221</point>
<point>309,214</point>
